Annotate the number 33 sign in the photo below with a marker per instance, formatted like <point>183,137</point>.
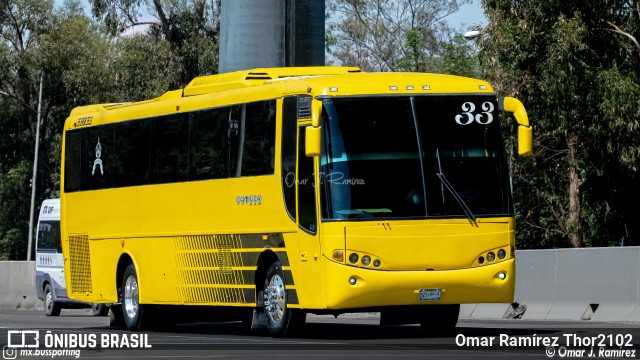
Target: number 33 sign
<point>468,115</point>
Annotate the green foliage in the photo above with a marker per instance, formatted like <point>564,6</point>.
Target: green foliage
<point>14,193</point>
<point>460,58</point>
<point>141,68</point>
<point>188,29</point>
<point>575,67</point>
<point>620,109</point>
<point>82,63</point>
<point>394,35</point>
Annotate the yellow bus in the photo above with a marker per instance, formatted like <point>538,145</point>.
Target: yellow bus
<point>272,193</point>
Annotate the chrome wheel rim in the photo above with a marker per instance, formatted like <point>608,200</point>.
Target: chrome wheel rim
<point>131,297</point>
<point>275,299</point>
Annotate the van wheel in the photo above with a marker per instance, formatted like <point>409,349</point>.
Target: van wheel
<point>99,309</point>
<point>51,308</point>
<point>280,320</point>
<point>132,310</point>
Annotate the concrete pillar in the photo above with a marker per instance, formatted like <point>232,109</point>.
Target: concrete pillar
<point>305,32</point>
<point>271,33</point>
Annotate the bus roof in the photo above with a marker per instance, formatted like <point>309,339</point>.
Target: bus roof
<point>270,83</point>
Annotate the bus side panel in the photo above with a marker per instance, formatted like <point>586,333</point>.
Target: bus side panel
<point>168,228</point>
<point>104,260</point>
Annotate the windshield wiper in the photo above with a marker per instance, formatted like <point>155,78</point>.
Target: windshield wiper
<point>447,184</point>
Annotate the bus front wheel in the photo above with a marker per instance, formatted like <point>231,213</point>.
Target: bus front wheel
<point>51,308</point>
<point>132,310</point>
<point>280,319</point>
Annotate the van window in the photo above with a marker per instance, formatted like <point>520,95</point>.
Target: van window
<point>49,236</point>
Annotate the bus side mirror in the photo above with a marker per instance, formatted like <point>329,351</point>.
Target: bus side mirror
<point>525,132</point>
<point>525,140</point>
<point>312,141</point>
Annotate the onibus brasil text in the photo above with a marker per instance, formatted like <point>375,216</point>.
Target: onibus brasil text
<point>88,341</point>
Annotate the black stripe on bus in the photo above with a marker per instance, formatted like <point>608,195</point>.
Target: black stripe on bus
<point>292,297</point>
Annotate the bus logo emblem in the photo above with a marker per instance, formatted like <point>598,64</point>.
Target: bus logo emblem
<point>98,161</point>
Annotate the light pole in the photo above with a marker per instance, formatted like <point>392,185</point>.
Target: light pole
<point>35,162</point>
<point>473,34</point>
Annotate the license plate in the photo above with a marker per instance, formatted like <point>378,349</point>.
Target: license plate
<point>429,294</point>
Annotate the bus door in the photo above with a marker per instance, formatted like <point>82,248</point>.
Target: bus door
<point>300,201</point>
<point>308,235</point>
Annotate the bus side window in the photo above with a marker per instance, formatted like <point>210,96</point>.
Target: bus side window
<point>73,148</point>
<point>260,137</point>
<point>131,163</point>
<point>169,149</point>
<point>288,151</point>
<point>209,144</point>
<point>97,157</point>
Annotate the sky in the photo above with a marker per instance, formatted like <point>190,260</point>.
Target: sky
<point>469,15</point>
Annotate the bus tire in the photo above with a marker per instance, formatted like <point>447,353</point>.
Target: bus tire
<point>280,319</point>
<point>439,317</point>
<point>99,309</point>
<point>51,307</point>
<point>132,310</point>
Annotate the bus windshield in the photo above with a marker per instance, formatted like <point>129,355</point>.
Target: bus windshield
<point>413,157</point>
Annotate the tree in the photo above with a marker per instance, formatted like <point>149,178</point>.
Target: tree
<point>390,35</point>
<point>36,40</point>
<point>577,72</point>
<point>190,29</point>
<point>81,65</point>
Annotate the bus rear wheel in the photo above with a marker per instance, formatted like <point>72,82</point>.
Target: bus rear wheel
<point>51,308</point>
<point>280,319</point>
<point>132,311</point>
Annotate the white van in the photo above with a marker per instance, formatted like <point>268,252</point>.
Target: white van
<point>50,284</point>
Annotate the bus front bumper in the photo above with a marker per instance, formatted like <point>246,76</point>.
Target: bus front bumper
<point>372,288</point>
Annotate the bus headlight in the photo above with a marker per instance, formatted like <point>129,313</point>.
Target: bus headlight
<point>353,258</point>
<point>491,256</point>
<point>376,263</point>
<point>501,254</point>
<point>366,260</point>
